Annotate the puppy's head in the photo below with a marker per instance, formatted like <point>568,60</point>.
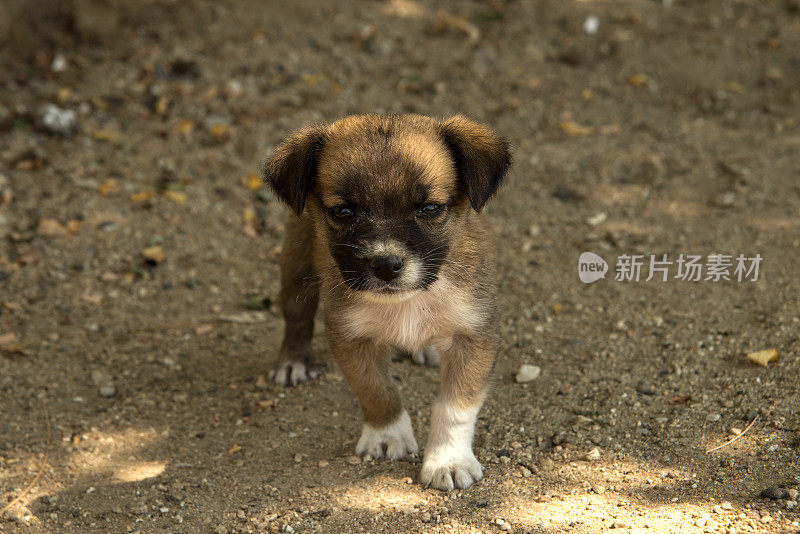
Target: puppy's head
<point>389,194</point>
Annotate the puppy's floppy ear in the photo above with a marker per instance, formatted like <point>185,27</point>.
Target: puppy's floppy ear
<point>481,156</point>
<point>292,168</point>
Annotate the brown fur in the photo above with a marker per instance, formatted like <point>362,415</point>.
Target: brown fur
<point>382,162</point>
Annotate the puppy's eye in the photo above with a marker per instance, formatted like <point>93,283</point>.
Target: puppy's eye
<point>342,212</point>
<point>430,209</point>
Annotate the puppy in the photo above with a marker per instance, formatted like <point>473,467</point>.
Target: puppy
<point>384,228</point>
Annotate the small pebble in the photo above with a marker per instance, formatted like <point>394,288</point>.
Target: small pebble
<point>598,489</point>
<point>105,383</point>
<point>55,120</point>
<point>645,388</point>
<point>713,417</point>
<point>593,454</point>
<point>559,438</point>
<point>591,24</point>
<point>323,463</point>
<point>793,494</point>
<point>425,517</point>
<point>354,460</point>
<point>528,373</point>
<point>502,524</point>
<point>773,493</point>
<point>726,199</point>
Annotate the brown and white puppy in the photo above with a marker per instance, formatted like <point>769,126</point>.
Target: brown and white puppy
<point>384,228</point>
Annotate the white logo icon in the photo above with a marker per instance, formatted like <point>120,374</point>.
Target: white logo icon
<point>591,267</point>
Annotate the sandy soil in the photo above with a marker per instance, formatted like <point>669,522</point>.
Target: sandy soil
<point>133,246</point>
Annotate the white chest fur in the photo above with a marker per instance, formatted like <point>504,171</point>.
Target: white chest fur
<point>414,322</point>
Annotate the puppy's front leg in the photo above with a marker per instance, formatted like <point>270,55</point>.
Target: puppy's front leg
<point>465,368</point>
<point>387,430</point>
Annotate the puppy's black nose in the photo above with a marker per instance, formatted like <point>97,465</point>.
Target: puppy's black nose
<point>386,268</point>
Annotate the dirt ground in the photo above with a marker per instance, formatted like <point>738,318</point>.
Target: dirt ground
<point>137,264</point>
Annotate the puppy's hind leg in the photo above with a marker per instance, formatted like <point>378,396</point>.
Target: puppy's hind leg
<point>298,299</point>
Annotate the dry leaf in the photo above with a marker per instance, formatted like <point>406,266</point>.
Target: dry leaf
<point>93,298</point>
<point>254,182</point>
<point>574,129</point>
<point>313,79</point>
<point>203,329</point>
<point>249,215</point>
<point>10,306</point>
<point>50,227</point>
<point>144,196</point>
<point>184,127</point>
<point>109,186</point>
<point>154,254</point>
<point>733,87</point>
<point>178,197</point>
<point>73,226</point>
<point>264,404</point>
<point>8,337</point>
<point>763,357</point>
<point>639,80</point>
<point>14,352</point>
<point>63,95</point>
<point>220,132</point>
<point>111,136</point>
<point>447,21</point>
<point>235,448</point>
<point>162,105</point>
<point>679,399</point>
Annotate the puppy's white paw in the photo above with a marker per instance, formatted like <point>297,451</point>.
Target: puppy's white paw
<point>426,356</point>
<point>292,372</point>
<point>392,441</point>
<point>447,467</point>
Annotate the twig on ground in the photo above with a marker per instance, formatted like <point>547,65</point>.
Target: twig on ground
<point>735,437</point>
<point>30,486</point>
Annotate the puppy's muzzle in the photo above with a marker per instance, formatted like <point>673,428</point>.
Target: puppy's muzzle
<point>386,267</point>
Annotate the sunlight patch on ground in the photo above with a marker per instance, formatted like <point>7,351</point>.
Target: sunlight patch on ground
<point>139,471</point>
<point>595,512</point>
<point>394,497</point>
<point>94,457</point>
